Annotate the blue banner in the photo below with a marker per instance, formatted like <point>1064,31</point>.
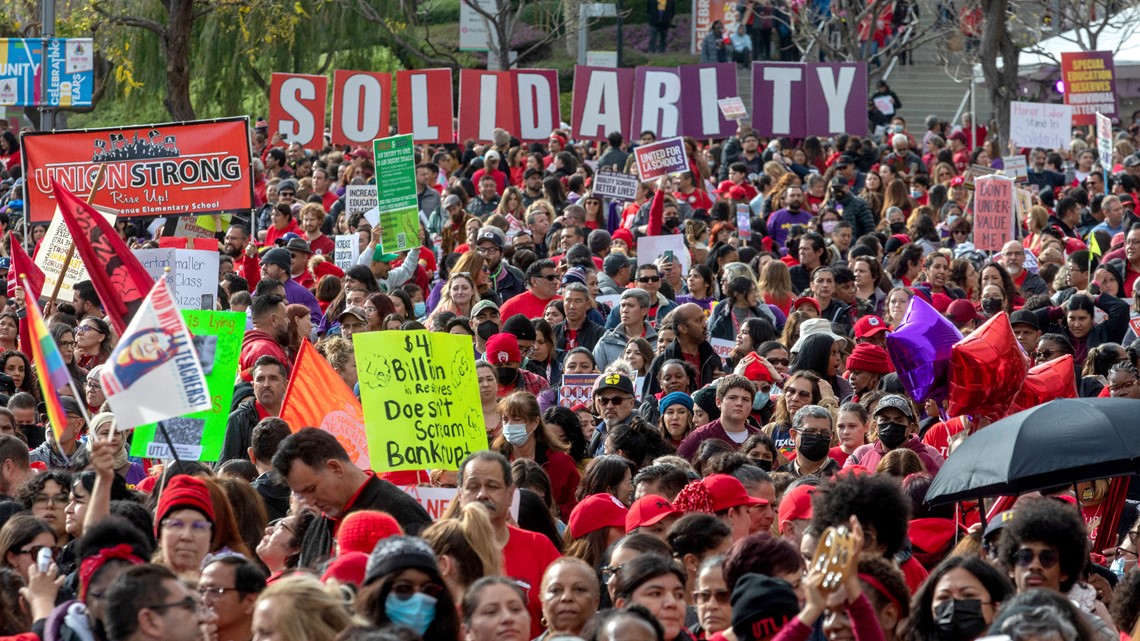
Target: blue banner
<point>70,68</point>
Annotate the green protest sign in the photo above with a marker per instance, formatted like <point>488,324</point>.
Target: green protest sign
<point>198,437</point>
<point>396,192</point>
<point>421,399</point>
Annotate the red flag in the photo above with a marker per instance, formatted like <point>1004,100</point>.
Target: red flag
<point>23,266</point>
<point>318,397</point>
<point>119,278</point>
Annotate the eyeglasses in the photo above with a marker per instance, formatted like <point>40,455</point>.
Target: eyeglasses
<point>553,278</point>
<point>487,250</point>
<point>780,361</point>
<point>68,343</point>
<point>280,524</point>
<point>42,500</point>
<point>1024,557</point>
<point>609,571</point>
<point>1116,389</point>
<point>648,279</point>
<point>214,592</point>
<point>798,393</point>
<point>611,400</point>
<point>190,604</point>
<point>405,591</point>
<point>195,527</point>
<point>286,194</point>
<point>34,550</point>
<point>1045,353</point>
<point>820,433</point>
<point>704,596</point>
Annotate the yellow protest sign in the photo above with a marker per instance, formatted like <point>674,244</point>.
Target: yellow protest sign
<point>421,399</point>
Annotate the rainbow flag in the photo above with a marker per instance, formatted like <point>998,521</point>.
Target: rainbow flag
<point>48,362</point>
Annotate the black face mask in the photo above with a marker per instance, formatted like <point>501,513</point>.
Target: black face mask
<point>892,435</point>
<point>814,446</point>
<point>671,223</point>
<point>991,306</point>
<point>959,620</point>
<point>898,228</point>
<point>762,464</point>
<point>507,375</point>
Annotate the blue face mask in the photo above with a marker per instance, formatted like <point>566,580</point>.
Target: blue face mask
<point>760,401</point>
<point>419,309</point>
<point>417,611</point>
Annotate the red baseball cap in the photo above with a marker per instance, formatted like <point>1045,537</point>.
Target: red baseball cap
<point>808,300</point>
<point>648,510</point>
<point>796,504</point>
<point>869,326</point>
<point>596,512</point>
<point>757,372</point>
<point>962,311</point>
<point>727,492</point>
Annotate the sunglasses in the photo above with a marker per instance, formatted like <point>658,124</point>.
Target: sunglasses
<point>611,400</point>
<point>649,279</point>
<point>783,362</point>
<point>1024,557</point>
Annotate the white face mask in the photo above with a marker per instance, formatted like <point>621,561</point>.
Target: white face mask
<point>515,433</point>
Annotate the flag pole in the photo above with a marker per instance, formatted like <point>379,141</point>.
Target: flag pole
<point>71,243</point>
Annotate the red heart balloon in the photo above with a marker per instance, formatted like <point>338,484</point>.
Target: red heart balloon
<point>1046,382</point>
<point>987,368</point>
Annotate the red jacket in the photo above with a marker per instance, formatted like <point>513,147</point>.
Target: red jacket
<point>255,345</point>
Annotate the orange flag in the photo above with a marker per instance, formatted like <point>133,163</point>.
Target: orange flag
<point>318,397</point>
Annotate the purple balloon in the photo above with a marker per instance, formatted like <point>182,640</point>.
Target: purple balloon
<point>920,350</point>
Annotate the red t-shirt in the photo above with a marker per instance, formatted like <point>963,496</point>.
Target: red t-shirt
<point>938,436</point>
<point>323,245</point>
<point>526,304</point>
<point>1129,279</point>
<point>695,361</point>
<point>525,559</point>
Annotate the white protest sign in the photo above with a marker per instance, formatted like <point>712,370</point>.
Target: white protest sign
<point>650,248</point>
<point>474,32</point>
<point>885,105</point>
<point>52,251</point>
<point>611,300</point>
<point>1104,140</point>
<point>1016,166</point>
<point>1034,124</point>
<point>612,184</point>
<point>723,347</point>
<point>435,500</point>
<point>193,275</point>
<point>732,108</point>
<point>359,199</point>
<point>347,250</point>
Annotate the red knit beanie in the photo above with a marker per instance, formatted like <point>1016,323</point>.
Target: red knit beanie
<point>360,531</point>
<point>870,358</point>
<point>183,492</point>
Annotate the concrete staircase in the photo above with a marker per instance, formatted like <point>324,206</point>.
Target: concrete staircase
<point>927,87</point>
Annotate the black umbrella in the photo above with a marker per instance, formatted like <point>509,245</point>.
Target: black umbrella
<point>1064,441</point>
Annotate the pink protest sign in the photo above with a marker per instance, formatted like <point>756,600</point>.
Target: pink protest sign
<point>660,158</point>
<point>993,212</point>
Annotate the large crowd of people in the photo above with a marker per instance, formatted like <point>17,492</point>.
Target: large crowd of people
<point>746,417</point>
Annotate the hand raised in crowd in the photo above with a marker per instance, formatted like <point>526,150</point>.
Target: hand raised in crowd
<point>103,458</point>
<point>42,589</point>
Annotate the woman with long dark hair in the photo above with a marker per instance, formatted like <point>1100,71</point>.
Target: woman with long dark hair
<point>820,354</point>
<point>741,302</point>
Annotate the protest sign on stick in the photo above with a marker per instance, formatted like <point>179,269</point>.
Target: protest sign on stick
<point>396,193</point>
<point>993,212</point>
<point>421,399</point>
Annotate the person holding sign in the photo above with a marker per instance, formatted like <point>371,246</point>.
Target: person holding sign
<point>318,469</point>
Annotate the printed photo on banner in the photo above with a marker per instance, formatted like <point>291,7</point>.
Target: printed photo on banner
<point>421,399</point>
<point>216,337</point>
<point>154,372</point>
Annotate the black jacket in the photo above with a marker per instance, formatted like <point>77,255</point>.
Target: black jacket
<point>377,494</point>
<point>588,336</point>
<point>710,363</point>
<point>721,325</point>
<point>274,494</point>
<point>858,214</point>
<point>239,432</point>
